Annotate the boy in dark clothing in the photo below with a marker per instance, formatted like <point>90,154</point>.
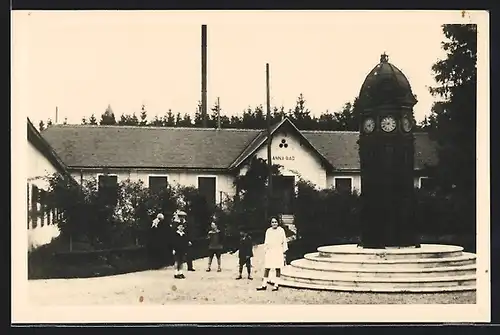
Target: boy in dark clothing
<point>214,246</point>
<point>245,254</point>
<point>180,244</point>
<point>183,219</point>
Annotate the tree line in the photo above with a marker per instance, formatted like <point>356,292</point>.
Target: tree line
<point>345,119</point>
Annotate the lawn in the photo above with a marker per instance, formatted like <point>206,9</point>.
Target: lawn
<point>158,287</point>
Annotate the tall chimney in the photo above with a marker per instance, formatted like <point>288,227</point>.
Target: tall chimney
<point>56,114</point>
<point>204,74</point>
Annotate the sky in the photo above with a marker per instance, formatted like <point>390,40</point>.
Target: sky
<point>82,61</point>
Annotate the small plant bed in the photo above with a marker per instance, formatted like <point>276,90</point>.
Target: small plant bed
<point>49,261</point>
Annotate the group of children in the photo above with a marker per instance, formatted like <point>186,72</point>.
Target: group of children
<point>180,243</point>
<point>275,245</point>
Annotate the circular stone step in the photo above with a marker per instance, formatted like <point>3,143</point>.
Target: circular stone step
<point>321,278</point>
<point>432,268</point>
<point>392,272</point>
<point>352,251</point>
<point>293,284</point>
<point>461,260</point>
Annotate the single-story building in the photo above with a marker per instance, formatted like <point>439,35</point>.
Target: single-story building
<point>42,161</point>
<point>210,159</point>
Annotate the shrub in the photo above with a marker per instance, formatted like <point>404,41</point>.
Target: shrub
<point>441,214</point>
<point>326,215</point>
<point>90,217</point>
<point>84,214</point>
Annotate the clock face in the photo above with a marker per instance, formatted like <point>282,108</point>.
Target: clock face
<point>388,124</point>
<point>369,125</point>
<point>406,123</point>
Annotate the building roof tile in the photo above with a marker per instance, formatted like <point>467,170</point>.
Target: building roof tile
<point>86,146</point>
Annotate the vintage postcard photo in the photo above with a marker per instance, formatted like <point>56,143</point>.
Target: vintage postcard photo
<point>292,166</point>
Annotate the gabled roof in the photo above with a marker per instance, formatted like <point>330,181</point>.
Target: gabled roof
<point>341,148</point>
<point>86,146</point>
<point>35,138</point>
<point>147,147</point>
<point>261,139</point>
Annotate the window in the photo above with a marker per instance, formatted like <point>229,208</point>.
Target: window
<point>206,187</point>
<point>34,206</point>
<point>108,188</point>
<point>157,183</point>
<point>427,183</point>
<point>343,185</point>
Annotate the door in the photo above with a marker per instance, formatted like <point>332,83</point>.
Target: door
<point>284,193</point>
<point>206,186</point>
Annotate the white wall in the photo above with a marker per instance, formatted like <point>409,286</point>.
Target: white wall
<point>296,160</point>
<point>355,180</point>
<point>38,168</point>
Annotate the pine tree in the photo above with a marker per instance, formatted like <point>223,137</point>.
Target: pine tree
<point>198,117</point>
<point>108,117</point>
<point>185,121</point>
<point>144,116</point>
<point>453,119</point>
<point>93,120</point>
<point>157,122</point>
<point>169,119</point>
<point>178,119</point>
<point>300,115</point>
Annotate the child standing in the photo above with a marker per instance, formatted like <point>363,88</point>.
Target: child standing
<point>214,246</point>
<point>245,254</point>
<point>180,244</point>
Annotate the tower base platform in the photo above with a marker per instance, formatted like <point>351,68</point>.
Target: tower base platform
<point>347,267</point>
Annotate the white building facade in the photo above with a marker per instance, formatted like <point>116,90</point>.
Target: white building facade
<point>42,161</point>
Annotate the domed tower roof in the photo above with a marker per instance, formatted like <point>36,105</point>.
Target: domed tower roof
<point>386,84</point>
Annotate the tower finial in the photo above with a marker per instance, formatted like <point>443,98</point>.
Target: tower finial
<point>384,58</point>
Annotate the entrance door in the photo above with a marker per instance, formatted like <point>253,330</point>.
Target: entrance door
<point>284,193</point>
<point>207,187</point>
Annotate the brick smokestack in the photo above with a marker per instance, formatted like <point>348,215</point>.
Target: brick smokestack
<point>204,74</point>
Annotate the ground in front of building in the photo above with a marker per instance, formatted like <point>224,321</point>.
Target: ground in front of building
<point>158,287</point>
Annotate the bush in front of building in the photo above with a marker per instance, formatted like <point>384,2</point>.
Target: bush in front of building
<point>325,217</point>
<point>102,237</point>
<point>446,217</point>
<point>85,215</point>
<point>55,261</point>
<point>101,221</point>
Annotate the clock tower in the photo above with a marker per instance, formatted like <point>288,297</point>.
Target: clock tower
<point>386,151</point>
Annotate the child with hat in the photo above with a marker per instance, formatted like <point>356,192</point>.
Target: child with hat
<point>180,244</point>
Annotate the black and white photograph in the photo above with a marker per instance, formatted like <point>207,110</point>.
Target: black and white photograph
<point>284,166</point>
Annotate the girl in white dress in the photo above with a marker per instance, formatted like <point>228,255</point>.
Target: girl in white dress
<point>275,246</point>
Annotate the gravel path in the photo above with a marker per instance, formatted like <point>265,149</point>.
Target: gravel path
<point>158,287</point>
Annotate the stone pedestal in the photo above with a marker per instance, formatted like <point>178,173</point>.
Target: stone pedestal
<point>430,268</point>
